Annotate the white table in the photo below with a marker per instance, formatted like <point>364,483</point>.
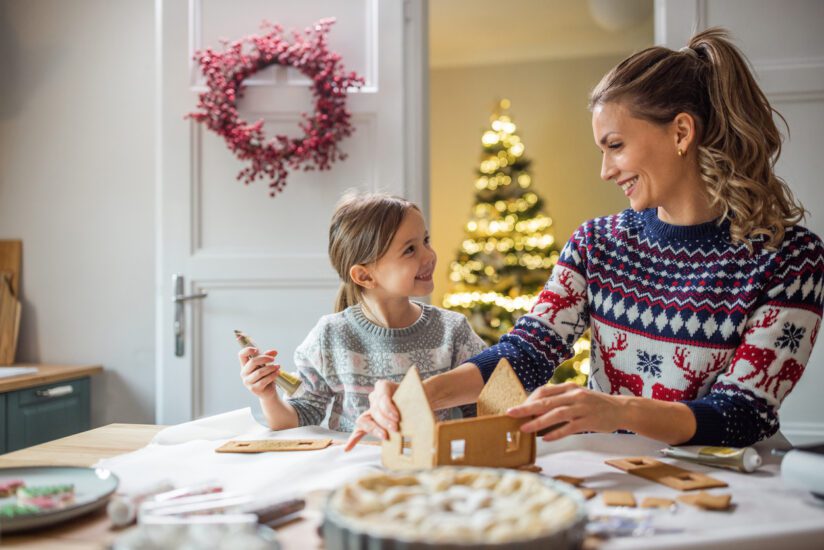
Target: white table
<point>767,513</point>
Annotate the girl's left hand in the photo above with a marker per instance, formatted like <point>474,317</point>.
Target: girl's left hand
<point>573,408</point>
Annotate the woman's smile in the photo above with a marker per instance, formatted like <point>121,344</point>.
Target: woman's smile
<point>628,185</point>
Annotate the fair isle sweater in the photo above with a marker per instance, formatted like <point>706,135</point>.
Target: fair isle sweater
<point>678,313</point>
<point>345,354</point>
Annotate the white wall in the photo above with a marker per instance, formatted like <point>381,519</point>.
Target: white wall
<point>77,186</point>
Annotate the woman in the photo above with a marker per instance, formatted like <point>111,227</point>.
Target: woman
<point>704,298</point>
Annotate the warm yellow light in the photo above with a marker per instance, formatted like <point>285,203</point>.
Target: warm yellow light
<point>469,299</point>
<point>489,138</point>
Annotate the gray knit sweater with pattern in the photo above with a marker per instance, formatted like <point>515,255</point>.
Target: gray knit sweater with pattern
<point>345,354</point>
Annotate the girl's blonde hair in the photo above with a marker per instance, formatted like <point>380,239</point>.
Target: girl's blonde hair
<point>361,231</point>
<point>738,141</point>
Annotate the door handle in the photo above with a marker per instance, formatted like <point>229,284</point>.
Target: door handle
<point>180,300</point>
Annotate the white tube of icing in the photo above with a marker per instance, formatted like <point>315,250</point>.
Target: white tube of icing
<point>745,459</point>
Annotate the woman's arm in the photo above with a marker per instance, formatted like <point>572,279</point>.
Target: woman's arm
<point>670,422</point>
<point>574,409</point>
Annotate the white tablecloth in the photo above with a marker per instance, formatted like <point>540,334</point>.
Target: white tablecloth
<point>765,509</point>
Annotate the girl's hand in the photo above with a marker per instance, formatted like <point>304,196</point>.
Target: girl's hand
<point>258,373</point>
<point>381,417</point>
<point>571,408</point>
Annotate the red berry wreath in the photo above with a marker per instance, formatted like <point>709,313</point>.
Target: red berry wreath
<point>225,72</point>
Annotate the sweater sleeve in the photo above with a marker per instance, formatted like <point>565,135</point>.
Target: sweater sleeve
<point>543,338</point>
<point>314,395</point>
<point>742,405</point>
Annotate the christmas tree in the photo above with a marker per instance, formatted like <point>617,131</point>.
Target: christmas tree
<point>509,248</point>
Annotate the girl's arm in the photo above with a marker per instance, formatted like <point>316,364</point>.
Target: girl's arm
<point>280,415</point>
<point>308,406</point>
<point>258,373</point>
<point>314,395</point>
<point>460,386</point>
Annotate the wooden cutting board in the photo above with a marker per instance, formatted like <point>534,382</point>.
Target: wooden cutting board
<point>9,320</point>
<point>11,254</point>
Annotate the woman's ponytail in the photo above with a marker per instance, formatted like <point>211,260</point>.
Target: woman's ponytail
<point>741,144</point>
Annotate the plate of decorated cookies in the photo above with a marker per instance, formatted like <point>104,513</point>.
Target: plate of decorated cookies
<point>37,496</point>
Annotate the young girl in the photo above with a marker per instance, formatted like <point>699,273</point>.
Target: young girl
<point>379,245</point>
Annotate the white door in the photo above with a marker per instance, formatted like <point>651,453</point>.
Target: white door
<point>783,40</point>
<point>262,261</point>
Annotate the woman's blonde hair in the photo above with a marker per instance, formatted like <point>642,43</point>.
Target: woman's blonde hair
<point>738,141</point>
<point>361,231</point>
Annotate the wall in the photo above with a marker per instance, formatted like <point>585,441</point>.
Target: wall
<point>77,186</point>
<point>549,106</point>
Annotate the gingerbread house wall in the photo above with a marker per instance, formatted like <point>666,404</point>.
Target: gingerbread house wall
<point>487,441</point>
<point>416,428</point>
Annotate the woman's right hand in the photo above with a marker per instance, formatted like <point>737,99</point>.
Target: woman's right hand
<point>381,418</point>
<point>258,372</point>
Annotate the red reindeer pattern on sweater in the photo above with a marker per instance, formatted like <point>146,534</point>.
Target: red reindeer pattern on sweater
<point>550,303</point>
<point>759,357</point>
<point>771,353</point>
<point>791,370</point>
<point>695,378</point>
<point>617,378</point>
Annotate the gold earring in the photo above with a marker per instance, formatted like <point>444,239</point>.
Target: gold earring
<point>680,153</point>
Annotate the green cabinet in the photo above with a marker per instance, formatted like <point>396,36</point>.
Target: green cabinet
<point>2,423</point>
<point>42,413</point>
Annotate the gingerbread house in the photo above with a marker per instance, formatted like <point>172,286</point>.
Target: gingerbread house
<point>491,439</point>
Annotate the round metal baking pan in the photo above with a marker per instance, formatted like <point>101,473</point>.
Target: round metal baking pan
<point>340,534</point>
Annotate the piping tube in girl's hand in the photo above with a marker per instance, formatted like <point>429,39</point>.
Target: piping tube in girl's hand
<point>286,381</point>
<point>746,459</point>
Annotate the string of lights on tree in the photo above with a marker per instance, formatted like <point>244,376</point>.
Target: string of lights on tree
<point>509,248</point>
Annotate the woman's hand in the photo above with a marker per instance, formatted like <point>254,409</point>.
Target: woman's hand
<point>381,417</point>
<point>572,409</point>
<point>258,372</point>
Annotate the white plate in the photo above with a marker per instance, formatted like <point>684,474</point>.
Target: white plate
<point>92,488</point>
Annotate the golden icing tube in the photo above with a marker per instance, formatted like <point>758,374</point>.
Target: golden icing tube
<point>745,459</point>
<point>286,381</point>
